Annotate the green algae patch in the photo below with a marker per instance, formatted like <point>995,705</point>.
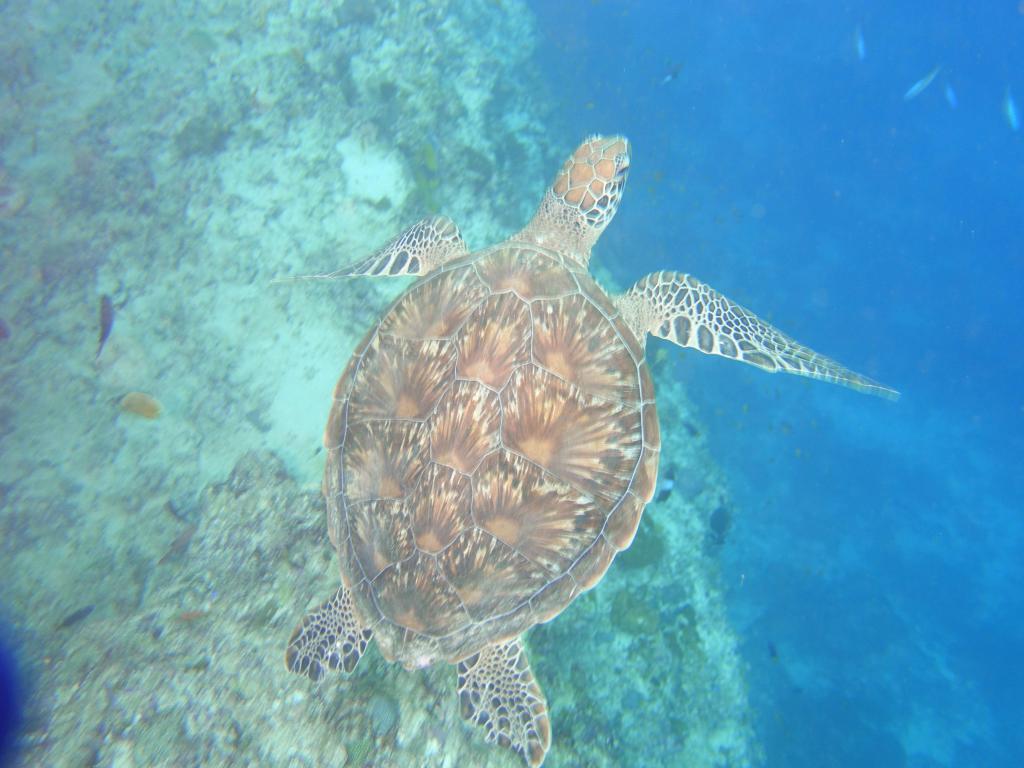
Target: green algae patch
<point>428,157</point>
<point>684,639</point>
<point>647,548</point>
<point>426,177</point>
<point>203,135</point>
<point>358,750</point>
<point>632,615</point>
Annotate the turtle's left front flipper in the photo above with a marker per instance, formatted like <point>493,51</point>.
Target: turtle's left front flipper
<point>689,313</point>
<point>497,692</point>
<point>423,247</point>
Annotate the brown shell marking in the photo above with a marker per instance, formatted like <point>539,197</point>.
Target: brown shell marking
<point>527,273</point>
<point>380,534</point>
<point>494,341</point>
<point>439,508</point>
<point>593,444</point>
<point>646,476</point>
<point>541,516</point>
<point>589,569</point>
<point>479,447</point>
<point>623,521</point>
<point>466,426</point>
<point>571,339</point>
<point>414,594</point>
<point>436,307</point>
<point>490,577</point>
<point>552,599</point>
<point>401,379</point>
<point>382,459</point>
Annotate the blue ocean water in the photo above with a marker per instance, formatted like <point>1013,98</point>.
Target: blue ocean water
<point>852,173</point>
<point>875,572</point>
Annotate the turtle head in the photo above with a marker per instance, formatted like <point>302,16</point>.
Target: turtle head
<point>591,180</point>
<point>583,198</point>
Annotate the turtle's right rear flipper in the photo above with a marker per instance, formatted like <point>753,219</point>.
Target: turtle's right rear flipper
<point>330,637</point>
<point>497,691</point>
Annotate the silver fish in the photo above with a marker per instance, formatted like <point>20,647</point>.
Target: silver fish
<point>1010,110</point>
<point>915,90</point>
<point>951,96</point>
<point>106,322</point>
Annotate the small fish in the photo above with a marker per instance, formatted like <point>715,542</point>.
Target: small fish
<point>175,511</point>
<point>106,322</point>
<point>141,404</point>
<point>666,486</point>
<point>179,545</point>
<point>719,524</point>
<point>950,96</point>
<point>1010,110</point>
<point>5,331</point>
<point>915,90</point>
<point>672,74</point>
<point>858,44</point>
<point>773,652</point>
<point>74,617</point>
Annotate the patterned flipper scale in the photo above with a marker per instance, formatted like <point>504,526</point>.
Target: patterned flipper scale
<point>689,313</point>
<point>328,638</point>
<point>498,693</point>
<point>420,249</point>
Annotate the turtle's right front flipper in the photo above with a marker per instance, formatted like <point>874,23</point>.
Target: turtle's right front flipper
<point>330,637</point>
<point>689,313</point>
<point>422,248</point>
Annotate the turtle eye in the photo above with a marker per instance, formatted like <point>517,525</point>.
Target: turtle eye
<point>621,167</point>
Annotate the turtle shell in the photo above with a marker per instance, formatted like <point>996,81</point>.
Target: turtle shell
<point>491,446</point>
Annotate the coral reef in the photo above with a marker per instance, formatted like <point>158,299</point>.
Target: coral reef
<point>153,567</point>
<point>195,673</point>
<point>196,660</point>
<point>12,197</point>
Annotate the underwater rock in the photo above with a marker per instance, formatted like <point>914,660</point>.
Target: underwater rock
<point>12,197</point>
<point>384,713</point>
<point>199,645</point>
<point>202,135</point>
<point>719,524</point>
<point>689,484</point>
<point>358,12</point>
<point>648,546</point>
<point>633,615</point>
<point>685,636</point>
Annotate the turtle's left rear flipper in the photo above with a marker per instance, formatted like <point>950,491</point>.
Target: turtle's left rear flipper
<point>497,692</point>
<point>330,637</point>
<point>689,313</point>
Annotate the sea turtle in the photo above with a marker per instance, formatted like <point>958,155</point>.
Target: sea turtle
<point>494,440</point>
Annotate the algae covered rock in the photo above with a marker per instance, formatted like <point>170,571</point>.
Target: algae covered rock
<point>632,615</point>
<point>199,682</point>
<point>205,134</point>
<point>647,548</point>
